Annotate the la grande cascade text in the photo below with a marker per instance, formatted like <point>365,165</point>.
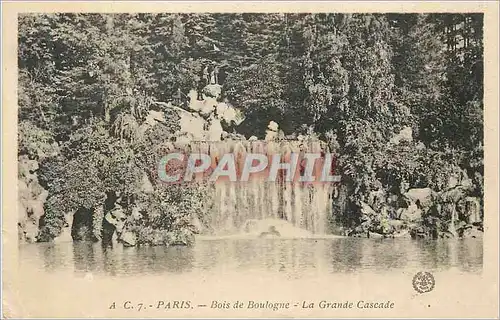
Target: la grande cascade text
<point>323,304</point>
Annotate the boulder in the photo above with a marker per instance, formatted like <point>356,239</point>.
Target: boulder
<point>273,126</point>
<point>367,210</point>
<point>192,124</point>
<point>423,195</point>
<point>204,107</point>
<point>228,113</point>
<point>271,135</point>
<point>359,232</point>
<point>136,214</point>
<point>411,214</point>
<point>215,130</point>
<point>182,237</point>
<point>418,233</point>
<point>212,90</point>
<point>375,235</point>
<point>256,228</point>
<point>128,239</point>
<point>420,146</point>
<point>233,136</point>
<point>154,117</point>
<point>28,231</point>
<point>472,233</point>
<point>459,179</point>
<point>272,232</point>
<point>405,234</point>
<point>32,197</point>
<point>183,140</point>
<point>117,218</point>
<point>158,238</point>
<point>396,224</point>
<point>272,131</point>
<point>406,134</point>
<point>453,180</point>
<point>65,235</point>
<point>193,96</point>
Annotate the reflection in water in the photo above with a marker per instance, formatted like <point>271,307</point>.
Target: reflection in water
<point>53,256</point>
<point>84,256</point>
<point>296,257</point>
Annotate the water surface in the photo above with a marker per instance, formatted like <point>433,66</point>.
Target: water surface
<point>297,257</point>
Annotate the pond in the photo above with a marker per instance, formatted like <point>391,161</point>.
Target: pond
<point>297,257</point>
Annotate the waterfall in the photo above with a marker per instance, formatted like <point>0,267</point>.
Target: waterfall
<point>230,205</point>
<point>473,210</point>
<point>454,218</point>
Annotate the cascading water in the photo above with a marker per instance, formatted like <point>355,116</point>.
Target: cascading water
<point>231,205</point>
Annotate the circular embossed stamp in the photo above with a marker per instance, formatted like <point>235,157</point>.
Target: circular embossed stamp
<point>423,282</point>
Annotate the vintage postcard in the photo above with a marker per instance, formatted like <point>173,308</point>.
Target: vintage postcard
<point>250,159</point>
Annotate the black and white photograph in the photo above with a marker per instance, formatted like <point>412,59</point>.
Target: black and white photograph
<point>247,154</point>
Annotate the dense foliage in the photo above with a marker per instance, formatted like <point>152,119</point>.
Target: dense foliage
<point>88,81</point>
